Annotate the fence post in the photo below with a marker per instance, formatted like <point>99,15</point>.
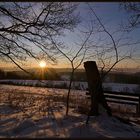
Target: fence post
<point>95,89</point>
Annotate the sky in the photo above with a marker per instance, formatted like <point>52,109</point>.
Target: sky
<point>112,17</point>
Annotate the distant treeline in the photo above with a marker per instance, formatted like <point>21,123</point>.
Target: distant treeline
<point>114,77</point>
<point>52,74</point>
<point>36,74</point>
<point>128,78</point>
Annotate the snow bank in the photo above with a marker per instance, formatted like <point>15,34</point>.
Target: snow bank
<point>41,120</point>
<point>57,125</point>
<point>130,88</point>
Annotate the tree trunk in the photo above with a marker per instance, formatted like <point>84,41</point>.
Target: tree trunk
<point>69,89</point>
<point>95,89</point>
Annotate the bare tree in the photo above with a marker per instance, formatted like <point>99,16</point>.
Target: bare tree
<point>26,27</point>
<point>132,22</point>
<point>112,50</point>
<point>133,12</point>
<point>75,60</point>
<point>108,54</point>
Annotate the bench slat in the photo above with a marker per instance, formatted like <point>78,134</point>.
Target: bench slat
<point>122,102</point>
<point>122,93</point>
<point>122,98</point>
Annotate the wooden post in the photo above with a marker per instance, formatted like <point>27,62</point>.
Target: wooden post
<point>92,78</point>
<point>95,88</point>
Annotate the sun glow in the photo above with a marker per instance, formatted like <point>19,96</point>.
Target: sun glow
<point>42,64</point>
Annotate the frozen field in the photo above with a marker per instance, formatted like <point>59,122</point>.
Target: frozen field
<point>130,88</point>
<point>36,112</point>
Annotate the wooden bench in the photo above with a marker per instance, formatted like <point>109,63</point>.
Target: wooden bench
<point>122,98</point>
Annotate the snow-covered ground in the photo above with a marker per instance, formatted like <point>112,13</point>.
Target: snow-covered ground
<point>130,88</point>
<point>41,116</point>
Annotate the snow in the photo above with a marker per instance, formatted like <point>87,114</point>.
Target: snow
<point>130,88</point>
<point>45,118</point>
<point>121,87</point>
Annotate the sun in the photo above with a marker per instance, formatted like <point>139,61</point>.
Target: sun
<point>42,64</point>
